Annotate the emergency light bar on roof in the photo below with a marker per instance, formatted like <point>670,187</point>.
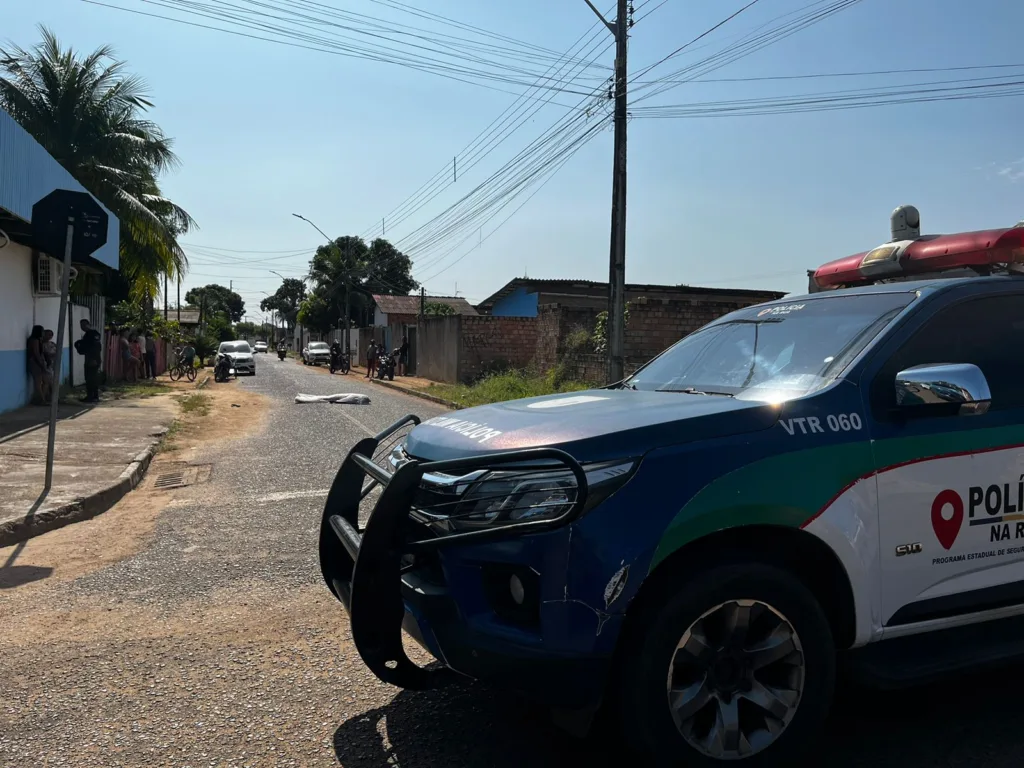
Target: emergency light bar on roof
<point>910,254</point>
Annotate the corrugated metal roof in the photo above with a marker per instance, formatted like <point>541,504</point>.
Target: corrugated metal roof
<point>28,173</point>
<point>410,305</point>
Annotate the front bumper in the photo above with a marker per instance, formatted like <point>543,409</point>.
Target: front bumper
<point>392,575</point>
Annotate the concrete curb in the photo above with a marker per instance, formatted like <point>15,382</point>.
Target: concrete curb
<point>421,395</point>
<point>16,531</point>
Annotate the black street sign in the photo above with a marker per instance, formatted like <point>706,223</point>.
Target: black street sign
<point>50,219</point>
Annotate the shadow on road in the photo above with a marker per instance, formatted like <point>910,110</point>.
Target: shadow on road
<point>967,721</point>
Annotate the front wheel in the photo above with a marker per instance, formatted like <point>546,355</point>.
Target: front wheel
<point>738,667</point>
<point>191,373</point>
<point>175,373</point>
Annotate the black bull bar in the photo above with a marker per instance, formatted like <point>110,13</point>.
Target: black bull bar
<point>364,566</point>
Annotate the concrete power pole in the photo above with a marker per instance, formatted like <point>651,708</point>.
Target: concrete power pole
<point>617,250</point>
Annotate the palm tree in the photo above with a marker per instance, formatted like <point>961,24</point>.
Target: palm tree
<point>87,112</point>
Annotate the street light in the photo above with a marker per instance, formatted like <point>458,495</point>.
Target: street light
<point>348,284</point>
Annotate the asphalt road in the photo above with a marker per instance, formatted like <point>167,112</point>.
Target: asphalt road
<point>214,642</point>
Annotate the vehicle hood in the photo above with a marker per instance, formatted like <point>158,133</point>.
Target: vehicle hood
<point>239,355</point>
<point>592,426</point>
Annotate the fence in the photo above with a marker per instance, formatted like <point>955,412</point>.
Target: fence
<point>113,365</point>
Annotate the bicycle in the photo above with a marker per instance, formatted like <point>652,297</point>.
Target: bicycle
<point>184,368</point>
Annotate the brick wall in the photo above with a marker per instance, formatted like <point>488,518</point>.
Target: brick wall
<point>496,343</point>
<point>654,325</point>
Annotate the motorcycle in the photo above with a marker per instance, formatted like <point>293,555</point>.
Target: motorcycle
<point>281,353</point>
<point>386,365</point>
<point>222,369</point>
<point>340,362</point>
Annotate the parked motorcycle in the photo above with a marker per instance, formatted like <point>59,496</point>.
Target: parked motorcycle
<point>340,362</point>
<point>386,365</point>
<point>222,370</point>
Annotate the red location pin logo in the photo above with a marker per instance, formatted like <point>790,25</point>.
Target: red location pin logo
<point>946,531</point>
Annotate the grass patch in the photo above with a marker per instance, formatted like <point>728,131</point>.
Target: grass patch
<point>497,388</point>
<point>196,403</point>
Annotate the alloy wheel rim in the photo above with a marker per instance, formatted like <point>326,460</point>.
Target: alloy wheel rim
<point>736,679</point>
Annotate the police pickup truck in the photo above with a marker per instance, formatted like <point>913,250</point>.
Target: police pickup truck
<point>834,479</point>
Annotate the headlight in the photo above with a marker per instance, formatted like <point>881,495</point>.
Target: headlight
<point>507,497</point>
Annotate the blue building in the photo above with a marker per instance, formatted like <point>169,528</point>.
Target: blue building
<point>522,296</point>
<point>30,281</point>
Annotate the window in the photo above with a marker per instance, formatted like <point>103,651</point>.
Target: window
<point>774,352</point>
<point>988,332</point>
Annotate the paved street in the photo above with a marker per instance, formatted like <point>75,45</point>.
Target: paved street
<point>190,628</point>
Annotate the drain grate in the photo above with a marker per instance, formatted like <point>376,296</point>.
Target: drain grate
<point>182,476</point>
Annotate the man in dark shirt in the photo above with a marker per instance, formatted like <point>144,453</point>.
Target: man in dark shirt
<point>90,346</point>
<point>403,357</point>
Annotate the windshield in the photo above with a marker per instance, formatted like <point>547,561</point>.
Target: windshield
<point>235,346</point>
<point>318,345</point>
<point>773,353</point>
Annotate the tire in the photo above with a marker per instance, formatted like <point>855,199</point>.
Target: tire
<point>191,373</point>
<point>175,373</point>
<point>770,594</point>
<point>391,375</point>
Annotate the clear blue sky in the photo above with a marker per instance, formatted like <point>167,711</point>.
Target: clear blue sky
<point>264,130</point>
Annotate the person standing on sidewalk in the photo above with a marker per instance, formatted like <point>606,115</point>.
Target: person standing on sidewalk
<point>37,365</point>
<point>151,355</point>
<point>371,359</point>
<point>90,346</point>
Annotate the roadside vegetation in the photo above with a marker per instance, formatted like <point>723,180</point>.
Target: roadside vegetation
<point>510,385</point>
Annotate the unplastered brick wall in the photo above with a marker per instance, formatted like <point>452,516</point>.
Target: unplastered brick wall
<point>491,343</point>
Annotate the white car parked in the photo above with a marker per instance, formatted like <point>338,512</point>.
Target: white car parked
<point>261,346</point>
<point>241,356</point>
<point>316,352</point>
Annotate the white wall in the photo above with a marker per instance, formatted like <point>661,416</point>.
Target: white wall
<point>19,311</point>
<point>379,318</point>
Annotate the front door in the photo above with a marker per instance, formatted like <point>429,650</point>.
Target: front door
<point>951,487</point>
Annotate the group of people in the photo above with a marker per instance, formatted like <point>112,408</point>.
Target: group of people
<point>42,355</point>
<point>375,350</point>
<point>138,354</point>
<point>137,351</point>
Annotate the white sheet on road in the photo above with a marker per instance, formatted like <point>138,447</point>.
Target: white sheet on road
<point>350,399</point>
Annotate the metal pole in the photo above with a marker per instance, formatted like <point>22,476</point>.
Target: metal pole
<point>55,388</point>
<point>617,261</point>
<point>165,297</point>
<point>179,299</point>
<point>348,337</point>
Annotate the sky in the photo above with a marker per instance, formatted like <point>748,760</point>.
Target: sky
<point>264,130</point>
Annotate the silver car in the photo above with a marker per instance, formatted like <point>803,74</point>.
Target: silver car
<point>242,359</point>
<point>316,352</point>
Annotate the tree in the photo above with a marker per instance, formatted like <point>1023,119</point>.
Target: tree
<point>216,298</point>
<point>316,313</point>
<point>438,308</point>
<point>286,300</point>
<point>349,262</point>
<point>600,335</point>
<point>87,112</point>
<point>245,330</point>
<point>220,327</point>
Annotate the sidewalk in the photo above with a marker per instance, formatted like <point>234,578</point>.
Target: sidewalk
<point>101,453</point>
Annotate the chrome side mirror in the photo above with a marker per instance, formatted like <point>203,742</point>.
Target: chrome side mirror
<point>947,384</point>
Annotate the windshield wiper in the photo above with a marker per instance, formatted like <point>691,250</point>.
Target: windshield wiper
<point>694,391</point>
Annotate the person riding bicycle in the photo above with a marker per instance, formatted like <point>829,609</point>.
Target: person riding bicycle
<point>188,355</point>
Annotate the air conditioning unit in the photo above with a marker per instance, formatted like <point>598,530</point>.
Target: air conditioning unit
<point>49,273</point>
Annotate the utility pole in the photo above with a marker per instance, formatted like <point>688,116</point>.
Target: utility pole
<point>179,299</point>
<point>423,301</point>
<point>617,250</point>
<point>165,297</point>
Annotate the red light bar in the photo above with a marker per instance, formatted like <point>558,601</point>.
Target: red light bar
<point>925,255</point>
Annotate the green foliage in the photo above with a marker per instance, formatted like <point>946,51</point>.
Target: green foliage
<point>245,330</point>
<point>600,335</point>
<point>131,313</point>
<point>286,300</point>
<point>439,309</point>
<point>205,345</point>
<point>88,112</point>
<point>215,298</point>
<point>499,387</point>
<point>196,402</point>
<point>169,330</point>
<point>220,327</point>
<point>316,312</point>
<point>349,264</point>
